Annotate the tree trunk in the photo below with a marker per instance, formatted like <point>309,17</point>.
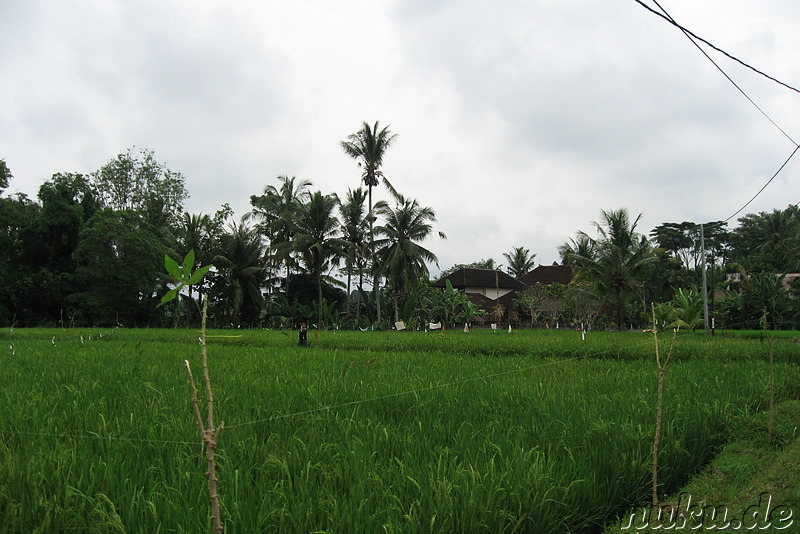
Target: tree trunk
<point>349,290</point>
<point>319,297</point>
<point>374,263</point>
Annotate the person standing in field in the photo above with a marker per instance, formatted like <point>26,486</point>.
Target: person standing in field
<point>303,341</point>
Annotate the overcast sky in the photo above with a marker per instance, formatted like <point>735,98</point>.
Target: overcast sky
<point>518,121</point>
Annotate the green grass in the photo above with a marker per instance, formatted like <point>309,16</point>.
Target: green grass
<point>361,432</point>
<point>747,472</point>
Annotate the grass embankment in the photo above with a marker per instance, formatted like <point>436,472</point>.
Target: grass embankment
<point>362,432</point>
<point>750,483</point>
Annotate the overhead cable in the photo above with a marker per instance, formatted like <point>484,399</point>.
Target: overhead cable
<point>695,36</point>
<point>689,35</point>
<point>765,185</point>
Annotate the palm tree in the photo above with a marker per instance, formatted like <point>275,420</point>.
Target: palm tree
<point>354,227</point>
<point>768,241</point>
<point>582,246</point>
<point>239,270</point>
<point>317,238</point>
<point>368,146</point>
<point>398,251</point>
<point>520,261</point>
<point>277,211</point>
<point>195,232</point>
<point>617,260</point>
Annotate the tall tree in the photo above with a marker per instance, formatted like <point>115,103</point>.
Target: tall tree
<point>520,261</point>
<point>368,146</point>
<point>19,217</point>
<point>682,240</point>
<point>621,256</point>
<point>239,277</point>
<point>119,269</point>
<point>398,251</point>
<point>582,246</point>
<point>136,181</point>
<point>318,240</point>
<point>769,241</point>
<point>5,175</point>
<point>277,210</point>
<point>355,228</point>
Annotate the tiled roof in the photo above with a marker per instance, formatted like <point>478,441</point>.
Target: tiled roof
<point>548,274</point>
<point>468,277</point>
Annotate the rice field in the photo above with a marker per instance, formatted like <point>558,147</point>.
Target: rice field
<point>533,431</point>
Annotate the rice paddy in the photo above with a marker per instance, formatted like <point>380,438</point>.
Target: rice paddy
<point>533,431</point>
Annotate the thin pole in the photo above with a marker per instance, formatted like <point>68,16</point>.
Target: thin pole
<point>705,286</point>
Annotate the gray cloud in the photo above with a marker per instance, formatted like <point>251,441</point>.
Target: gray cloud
<point>518,121</point>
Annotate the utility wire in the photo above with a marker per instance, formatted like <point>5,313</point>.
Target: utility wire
<point>689,35</point>
<point>765,185</point>
<point>695,36</point>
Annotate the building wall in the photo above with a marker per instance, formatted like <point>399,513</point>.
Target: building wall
<point>488,292</point>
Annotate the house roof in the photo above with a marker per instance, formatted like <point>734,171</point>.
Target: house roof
<point>548,274</point>
<point>468,277</point>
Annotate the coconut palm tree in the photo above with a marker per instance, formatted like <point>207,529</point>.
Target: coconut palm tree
<point>317,238</point>
<point>520,261</point>
<point>276,210</point>
<point>581,246</point>
<point>239,277</point>
<point>616,261</point>
<point>399,254</point>
<point>368,146</point>
<point>355,230</point>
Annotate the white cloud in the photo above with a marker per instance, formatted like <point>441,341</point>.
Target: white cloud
<point>518,122</point>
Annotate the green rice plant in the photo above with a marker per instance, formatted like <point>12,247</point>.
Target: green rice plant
<point>535,434</point>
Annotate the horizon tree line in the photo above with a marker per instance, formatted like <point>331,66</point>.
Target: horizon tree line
<point>90,251</point>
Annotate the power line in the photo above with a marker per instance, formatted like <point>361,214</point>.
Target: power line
<point>689,35</point>
<point>765,185</point>
<point>695,36</point>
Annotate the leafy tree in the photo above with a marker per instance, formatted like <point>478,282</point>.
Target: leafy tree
<point>543,299</point>
<point>581,303</point>
<point>302,301</point>
<point>18,293</point>
<point>769,241</point>
<point>621,257</point>
<point>448,305</point>
<point>368,146</point>
<point>682,241</point>
<point>520,261</point>
<point>68,201</point>
<point>317,239</point>
<point>766,291</point>
<point>5,175</point>
<point>135,181</point>
<point>399,254</point>
<point>238,279</point>
<point>119,269</point>
<point>488,263</point>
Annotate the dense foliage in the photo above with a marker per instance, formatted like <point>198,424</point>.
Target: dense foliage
<point>89,251</point>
